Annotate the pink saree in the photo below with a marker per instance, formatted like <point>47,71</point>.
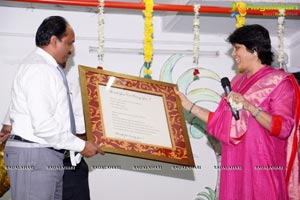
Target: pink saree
<point>254,159</point>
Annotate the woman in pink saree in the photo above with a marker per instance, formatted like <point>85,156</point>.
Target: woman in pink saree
<point>255,162</point>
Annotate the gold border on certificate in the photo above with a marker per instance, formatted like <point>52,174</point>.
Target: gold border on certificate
<point>133,116</point>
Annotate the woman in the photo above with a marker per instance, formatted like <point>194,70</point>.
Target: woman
<point>254,147</point>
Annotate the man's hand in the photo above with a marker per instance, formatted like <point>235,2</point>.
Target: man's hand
<point>91,149</point>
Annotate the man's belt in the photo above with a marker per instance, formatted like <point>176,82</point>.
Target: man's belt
<point>19,138</point>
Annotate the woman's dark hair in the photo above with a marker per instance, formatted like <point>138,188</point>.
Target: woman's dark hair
<point>255,38</point>
<point>54,25</point>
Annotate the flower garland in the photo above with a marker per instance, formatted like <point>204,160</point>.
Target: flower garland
<point>100,49</point>
<point>148,39</point>
<point>280,38</point>
<point>196,43</point>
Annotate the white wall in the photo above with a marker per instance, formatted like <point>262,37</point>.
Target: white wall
<point>294,52</point>
<point>18,26</point>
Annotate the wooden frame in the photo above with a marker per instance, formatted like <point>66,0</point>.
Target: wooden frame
<point>151,139</point>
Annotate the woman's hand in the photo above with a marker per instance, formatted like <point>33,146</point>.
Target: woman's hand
<point>237,98</point>
<point>198,111</point>
<point>186,104</point>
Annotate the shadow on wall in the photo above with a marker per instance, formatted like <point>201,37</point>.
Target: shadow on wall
<point>119,162</point>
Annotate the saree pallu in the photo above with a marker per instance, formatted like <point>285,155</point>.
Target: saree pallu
<point>4,180</point>
<point>293,170</point>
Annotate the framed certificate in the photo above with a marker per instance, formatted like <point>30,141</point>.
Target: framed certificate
<point>134,116</point>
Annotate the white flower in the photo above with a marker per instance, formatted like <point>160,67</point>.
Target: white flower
<point>236,106</point>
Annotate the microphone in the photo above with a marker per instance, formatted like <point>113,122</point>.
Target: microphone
<point>227,88</point>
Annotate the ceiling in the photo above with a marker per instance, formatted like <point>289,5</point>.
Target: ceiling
<point>180,22</point>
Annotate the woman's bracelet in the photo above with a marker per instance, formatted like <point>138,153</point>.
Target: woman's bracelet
<point>192,107</point>
<point>257,112</point>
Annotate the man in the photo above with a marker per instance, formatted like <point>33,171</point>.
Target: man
<point>42,118</point>
<point>75,178</point>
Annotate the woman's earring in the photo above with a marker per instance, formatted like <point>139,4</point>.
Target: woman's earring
<point>254,53</point>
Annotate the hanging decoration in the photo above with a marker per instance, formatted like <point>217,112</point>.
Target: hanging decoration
<point>239,12</point>
<point>196,43</point>
<point>148,38</point>
<point>281,18</point>
<point>101,32</point>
